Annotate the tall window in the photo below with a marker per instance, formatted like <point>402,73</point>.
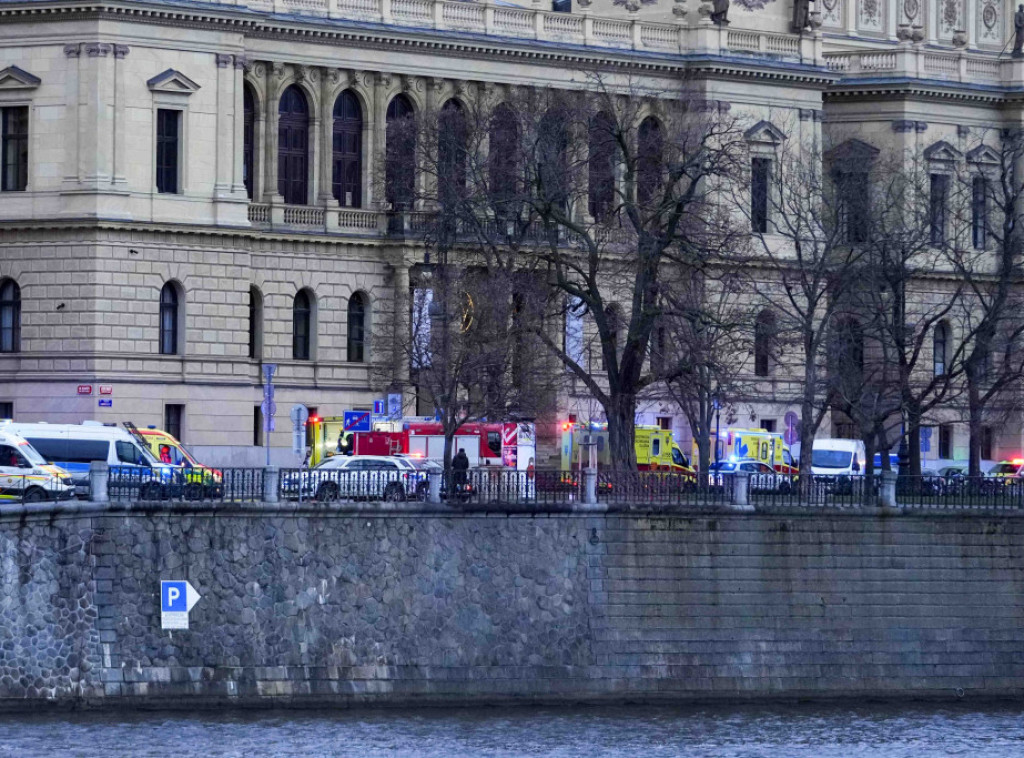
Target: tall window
<point>248,140</point>
<point>357,328</point>
<point>400,158</point>
<point>452,135</point>
<point>946,441</point>
<point>764,336</point>
<point>255,322</point>
<point>302,321</point>
<point>14,149</point>
<point>940,346</point>
<point>851,204</point>
<point>168,149</point>
<point>347,171</point>
<point>601,165</point>
<point>552,158</point>
<point>979,212</point>
<point>650,146</point>
<point>760,174</point>
<point>939,192</point>
<point>10,317</point>
<point>503,159</point>
<point>174,417</point>
<point>987,443</point>
<point>169,319</point>
<point>293,147</point>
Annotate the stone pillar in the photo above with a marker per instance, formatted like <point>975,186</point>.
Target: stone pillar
<point>329,79</point>
<point>271,479</point>
<point>275,74</point>
<point>99,478</point>
<point>226,147</point>
<point>378,127</point>
<point>887,492</point>
<point>119,156</point>
<point>238,168</point>
<point>402,327</point>
<point>434,492</point>
<point>590,486</point>
<point>73,109</point>
<point>96,133</point>
<point>741,491</point>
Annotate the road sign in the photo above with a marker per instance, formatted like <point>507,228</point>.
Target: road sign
<point>176,599</point>
<point>106,389</point>
<point>356,421</point>
<point>84,389</point>
<point>378,407</point>
<point>299,414</point>
<point>395,405</point>
<point>106,402</point>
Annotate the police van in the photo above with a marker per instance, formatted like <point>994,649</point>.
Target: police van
<point>26,476</point>
<point>73,447</point>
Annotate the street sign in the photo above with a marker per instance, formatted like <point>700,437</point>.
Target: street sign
<point>268,372</point>
<point>378,407</point>
<point>395,405</point>
<point>84,389</point>
<point>106,402</point>
<point>356,421</point>
<point>299,415</point>
<point>106,389</point>
<point>176,599</point>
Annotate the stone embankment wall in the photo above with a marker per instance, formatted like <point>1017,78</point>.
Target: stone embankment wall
<point>344,607</point>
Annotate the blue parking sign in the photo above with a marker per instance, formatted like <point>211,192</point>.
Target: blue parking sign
<point>173,597</point>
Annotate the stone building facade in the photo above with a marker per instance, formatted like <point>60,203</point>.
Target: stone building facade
<point>171,206</point>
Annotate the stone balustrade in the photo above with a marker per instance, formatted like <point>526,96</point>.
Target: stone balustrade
<point>580,27</point>
<point>916,62</point>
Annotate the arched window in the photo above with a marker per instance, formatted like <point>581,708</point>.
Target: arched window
<point>650,146</point>
<point>452,133</point>
<point>400,159</point>
<point>357,328</point>
<point>248,140</point>
<point>10,317</point>
<point>293,147</point>
<point>848,344</point>
<point>503,159</point>
<point>601,165</point>
<point>347,172</point>
<point>255,323</point>
<point>169,319</point>
<point>553,158</point>
<point>940,346</point>
<point>302,325</point>
<point>764,337</point>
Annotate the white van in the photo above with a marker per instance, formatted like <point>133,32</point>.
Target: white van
<point>835,457</point>
<point>26,476</point>
<point>74,447</point>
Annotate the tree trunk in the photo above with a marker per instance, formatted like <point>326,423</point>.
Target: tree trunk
<point>868,491</point>
<point>807,432</point>
<point>913,443</point>
<point>974,429</point>
<point>621,412</point>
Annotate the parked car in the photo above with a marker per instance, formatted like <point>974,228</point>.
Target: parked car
<point>370,477</point>
<point>763,478</point>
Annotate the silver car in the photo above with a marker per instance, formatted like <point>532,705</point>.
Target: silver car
<point>362,477</point>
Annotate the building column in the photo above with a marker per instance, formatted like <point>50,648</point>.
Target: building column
<point>119,158</point>
<point>96,135</point>
<point>378,127</point>
<point>237,164</point>
<point>329,79</point>
<point>274,76</point>
<point>402,326</point>
<point>225,163</point>
<point>72,117</point>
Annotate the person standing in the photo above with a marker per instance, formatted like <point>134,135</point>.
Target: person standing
<point>460,467</point>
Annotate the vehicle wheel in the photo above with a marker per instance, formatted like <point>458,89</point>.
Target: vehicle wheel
<point>327,493</point>
<point>785,487</point>
<point>150,491</point>
<point>34,495</point>
<point>422,491</point>
<point>193,491</point>
<point>394,493</point>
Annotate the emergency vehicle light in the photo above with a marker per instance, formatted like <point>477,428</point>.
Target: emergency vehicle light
<point>566,426</point>
<point>1018,461</point>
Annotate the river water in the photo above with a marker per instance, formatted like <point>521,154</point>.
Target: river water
<point>778,731</point>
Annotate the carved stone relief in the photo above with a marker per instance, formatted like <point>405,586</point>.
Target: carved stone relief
<point>832,13</point>
<point>990,23</point>
<point>871,15</point>
<point>951,18</point>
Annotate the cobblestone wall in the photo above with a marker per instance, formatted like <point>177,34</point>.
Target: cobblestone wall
<point>343,607</point>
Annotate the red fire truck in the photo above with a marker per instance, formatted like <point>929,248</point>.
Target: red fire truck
<point>510,445</point>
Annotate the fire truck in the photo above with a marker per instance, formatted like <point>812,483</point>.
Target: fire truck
<point>509,445</point>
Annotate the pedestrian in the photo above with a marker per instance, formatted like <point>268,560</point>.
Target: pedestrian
<point>460,467</point>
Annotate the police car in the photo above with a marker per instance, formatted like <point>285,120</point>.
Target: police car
<point>369,477</point>
<point>763,478</point>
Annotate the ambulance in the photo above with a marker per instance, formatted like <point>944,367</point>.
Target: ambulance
<point>752,444</point>
<point>25,476</point>
<point>169,451</point>
<point>656,449</point>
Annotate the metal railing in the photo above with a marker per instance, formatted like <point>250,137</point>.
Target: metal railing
<point>33,488</point>
<point>232,485</point>
<point>662,488</point>
<point>813,491</point>
<point>500,486</point>
<point>339,485</point>
<point>960,492</point>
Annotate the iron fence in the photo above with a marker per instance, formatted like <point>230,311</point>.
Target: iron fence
<point>960,492</point>
<point>812,491</point>
<point>34,488</point>
<point>234,485</point>
<point>663,488</point>
<point>326,485</point>
<point>498,486</point>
